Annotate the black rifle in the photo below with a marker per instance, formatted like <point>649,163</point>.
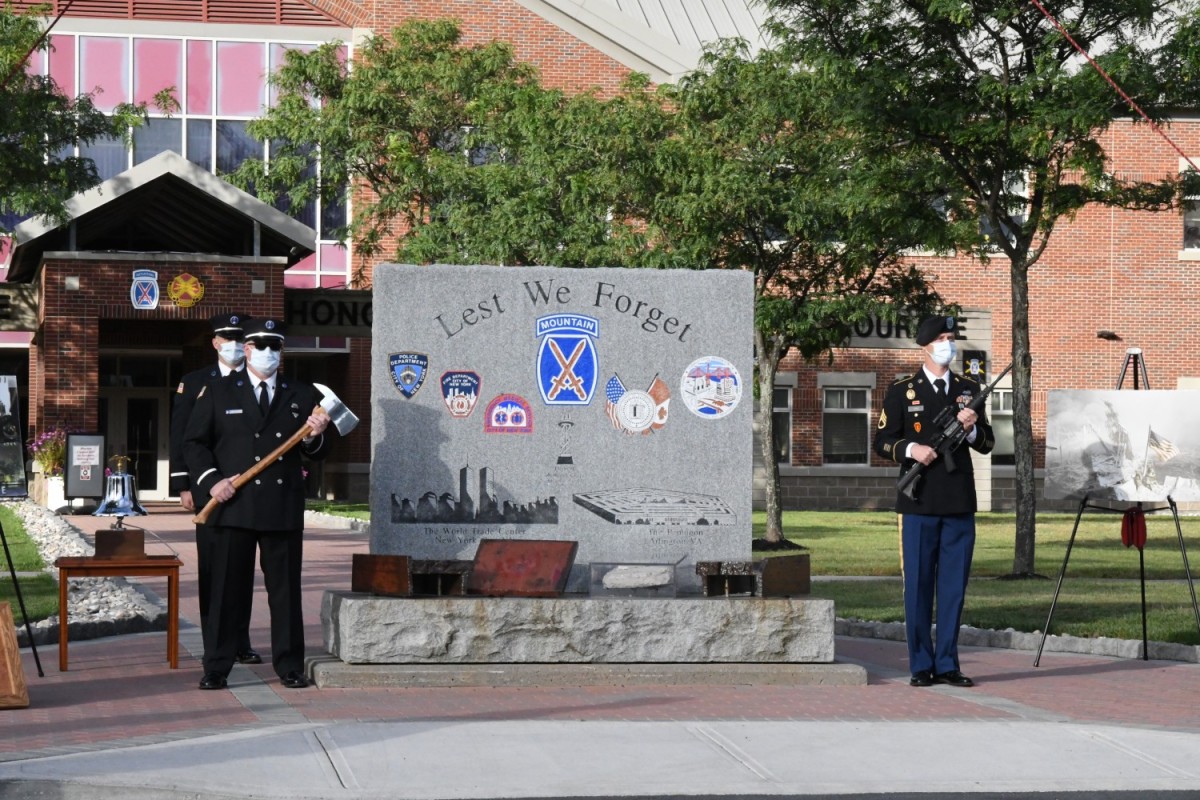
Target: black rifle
<point>949,436</point>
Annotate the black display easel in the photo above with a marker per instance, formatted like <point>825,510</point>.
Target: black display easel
<point>1135,363</point>
<point>12,570</point>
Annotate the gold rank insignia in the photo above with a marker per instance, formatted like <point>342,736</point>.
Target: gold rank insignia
<point>882,420</point>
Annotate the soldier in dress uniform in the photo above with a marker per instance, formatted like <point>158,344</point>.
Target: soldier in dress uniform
<point>227,341</point>
<point>938,528</point>
<point>237,421</point>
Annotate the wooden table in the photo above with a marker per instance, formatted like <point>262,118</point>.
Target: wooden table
<point>146,566</point>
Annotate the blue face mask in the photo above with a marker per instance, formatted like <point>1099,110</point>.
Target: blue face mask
<point>232,353</point>
<point>943,352</point>
<point>265,362</point>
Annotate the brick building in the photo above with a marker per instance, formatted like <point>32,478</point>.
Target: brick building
<point>1109,281</point>
<point>92,351</point>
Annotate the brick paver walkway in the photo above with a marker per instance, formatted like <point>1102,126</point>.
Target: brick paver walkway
<point>120,692</point>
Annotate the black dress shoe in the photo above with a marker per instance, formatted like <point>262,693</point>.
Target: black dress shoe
<point>294,680</point>
<point>922,677</point>
<point>248,656</point>
<point>954,678</point>
<point>213,680</point>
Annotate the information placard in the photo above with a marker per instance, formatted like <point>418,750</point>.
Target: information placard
<point>85,465</point>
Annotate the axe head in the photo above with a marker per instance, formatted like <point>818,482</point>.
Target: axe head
<point>342,418</point>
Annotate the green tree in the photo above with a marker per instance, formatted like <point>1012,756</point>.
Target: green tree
<point>751,172</point>
<point>1002,98</point>
<point>41,126</point>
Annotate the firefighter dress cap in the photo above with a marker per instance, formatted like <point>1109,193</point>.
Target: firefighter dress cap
<point>934,327</point>
<point>228,326</point>
<point>262,328</point>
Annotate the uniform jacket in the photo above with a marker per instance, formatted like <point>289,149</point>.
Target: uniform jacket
<point>181,410</point>
<point>227,434</point>
<point>907,416</point>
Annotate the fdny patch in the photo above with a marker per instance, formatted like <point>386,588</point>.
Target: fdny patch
<point>567,365</point>
<point>711,387</point>
<point>508,413</point>
<point>143,292</point>
<point>408,371</point>
<point>460,391</point>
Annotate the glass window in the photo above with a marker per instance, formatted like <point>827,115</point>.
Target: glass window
<point>155,136</point>
<point>199,78</point>
<point>104,64</point>
<point>1002,426</point>
<point>241,78</point>
<point>199,142</point>
<point>844,422</point>
<point>234,145</point>
<point>781,423</point>
<point>1191,224</point>
<point>109,156</point>
<point>157,65</point>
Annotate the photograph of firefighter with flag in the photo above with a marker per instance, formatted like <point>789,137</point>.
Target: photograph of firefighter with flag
<point>1122,445</point>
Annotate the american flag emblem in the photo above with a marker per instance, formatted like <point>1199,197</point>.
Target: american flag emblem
<point>1163,448</point>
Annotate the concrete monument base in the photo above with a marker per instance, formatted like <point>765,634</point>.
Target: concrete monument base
<point>367,629</point>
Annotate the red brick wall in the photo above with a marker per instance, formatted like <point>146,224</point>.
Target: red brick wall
<point>64,384</point>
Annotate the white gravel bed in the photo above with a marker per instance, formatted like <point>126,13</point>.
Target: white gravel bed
<point>96,606</point>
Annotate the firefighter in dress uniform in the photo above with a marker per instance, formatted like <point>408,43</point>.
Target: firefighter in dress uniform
<point>227,330</point>
<point>938,528</point>
<point>238,421</point>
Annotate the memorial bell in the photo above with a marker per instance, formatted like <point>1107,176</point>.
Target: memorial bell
<point>120,493</point>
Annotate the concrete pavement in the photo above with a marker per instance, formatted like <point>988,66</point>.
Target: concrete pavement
<point>120,723</point>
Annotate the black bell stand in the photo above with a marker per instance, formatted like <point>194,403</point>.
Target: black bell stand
<point>12,570</point>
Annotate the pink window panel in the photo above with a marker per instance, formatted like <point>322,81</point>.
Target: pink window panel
<point>241,79</point>
<point>104,65</point>
<point>157,65</point>
<point>334,264</point>
<point>297,280</point>
<point>199,77</point>
<point>36,63</point>
<point>15,338</point>
<point>62,63</point>
<point>278,54</point>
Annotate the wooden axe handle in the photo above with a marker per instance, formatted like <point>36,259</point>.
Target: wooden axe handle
<point>244,478</point>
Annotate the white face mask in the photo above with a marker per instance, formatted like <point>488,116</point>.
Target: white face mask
<point>943,352</point>
<point>265,362</point>
<point>232,353</point>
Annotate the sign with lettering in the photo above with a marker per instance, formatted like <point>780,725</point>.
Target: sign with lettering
<point>576,373</point>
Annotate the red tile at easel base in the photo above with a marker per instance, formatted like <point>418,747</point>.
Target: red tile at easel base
<point>522,568</point>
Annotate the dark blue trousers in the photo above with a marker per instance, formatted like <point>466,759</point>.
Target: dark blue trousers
<point>936,552</point>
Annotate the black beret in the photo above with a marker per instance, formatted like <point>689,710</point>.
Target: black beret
<point>228,326</point>
<point>264,327</point>
<point>934,327</point>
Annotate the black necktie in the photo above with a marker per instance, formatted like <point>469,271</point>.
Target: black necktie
<point>939,384</point>
<point>264,398</point>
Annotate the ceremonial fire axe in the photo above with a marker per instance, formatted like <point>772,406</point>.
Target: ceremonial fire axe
<point>340,417</point>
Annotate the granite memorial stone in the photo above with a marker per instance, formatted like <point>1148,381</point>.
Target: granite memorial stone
<point>611,407</point>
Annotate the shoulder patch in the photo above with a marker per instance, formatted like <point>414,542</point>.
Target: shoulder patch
<point>179,389</point>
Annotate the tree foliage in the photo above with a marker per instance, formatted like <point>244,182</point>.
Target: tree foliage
<point>467,159</point>
<point>1000,96</point>
<point>40,127</point>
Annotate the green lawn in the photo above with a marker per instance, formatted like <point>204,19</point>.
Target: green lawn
<point>1100,596</point>
<point>40,592</point>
